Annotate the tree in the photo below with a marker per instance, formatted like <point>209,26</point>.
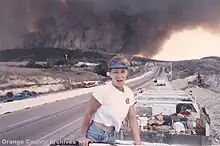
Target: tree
<point>102,68</point>
<point>31,64</point>
<point>61,62</point>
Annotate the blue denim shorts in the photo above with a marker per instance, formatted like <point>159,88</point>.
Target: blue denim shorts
<point>98,135</point>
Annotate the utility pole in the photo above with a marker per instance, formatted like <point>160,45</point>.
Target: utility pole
<point>0,41</point>
<point>66,57</point>
<point>171,71</point>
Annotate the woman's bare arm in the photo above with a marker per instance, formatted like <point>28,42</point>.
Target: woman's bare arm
<point>134,124</point>
<point>91,108</point>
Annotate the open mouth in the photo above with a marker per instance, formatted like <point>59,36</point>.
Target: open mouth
<point>119,81</point>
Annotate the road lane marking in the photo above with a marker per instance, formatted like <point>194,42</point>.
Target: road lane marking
<point>72,135</point>
<point>22,122</point>
<point>57,130</point>
<point>37,117</point>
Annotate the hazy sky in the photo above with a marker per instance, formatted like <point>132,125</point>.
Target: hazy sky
<point>190,44</point>
<point>142,25</point>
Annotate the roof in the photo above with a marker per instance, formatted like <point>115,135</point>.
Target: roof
<point>86,63</point>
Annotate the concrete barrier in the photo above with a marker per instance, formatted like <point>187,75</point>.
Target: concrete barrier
<point>44,99</point>
<point>138,78</point>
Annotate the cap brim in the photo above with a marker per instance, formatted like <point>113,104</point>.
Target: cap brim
<point>118,65</point>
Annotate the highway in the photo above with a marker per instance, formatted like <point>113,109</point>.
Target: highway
<point>43,124</point>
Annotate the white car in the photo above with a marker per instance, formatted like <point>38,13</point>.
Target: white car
<point>160,82</point>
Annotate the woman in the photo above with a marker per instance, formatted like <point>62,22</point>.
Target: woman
<point>109,106</point>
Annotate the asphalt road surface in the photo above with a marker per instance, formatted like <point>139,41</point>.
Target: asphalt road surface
<point>44,124</point>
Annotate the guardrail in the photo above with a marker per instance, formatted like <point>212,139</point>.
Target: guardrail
<point>44,99</point>
<point>52,97</point>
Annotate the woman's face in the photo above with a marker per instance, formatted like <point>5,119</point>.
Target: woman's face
<point>119,76</point>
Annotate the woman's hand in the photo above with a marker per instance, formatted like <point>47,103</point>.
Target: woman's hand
<point>84,141</point>
<point>137,142</point>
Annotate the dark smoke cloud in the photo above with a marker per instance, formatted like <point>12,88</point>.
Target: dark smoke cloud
<point>146,23</point>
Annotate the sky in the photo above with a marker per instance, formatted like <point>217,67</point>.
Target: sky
<point>146,23</point>
<point>190,44</point>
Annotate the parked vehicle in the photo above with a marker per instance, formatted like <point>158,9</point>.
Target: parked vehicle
<point>90,84</point>
<point>20,96</point>
<point>161,82</point>
<point>172,118</point>
<point>165,118</point>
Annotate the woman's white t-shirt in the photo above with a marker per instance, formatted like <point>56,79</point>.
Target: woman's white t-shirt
<point>115,105</point>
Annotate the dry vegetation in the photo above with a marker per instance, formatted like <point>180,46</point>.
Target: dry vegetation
<point>16,79</point>
<point>208,67</point>
<point>40,80</point>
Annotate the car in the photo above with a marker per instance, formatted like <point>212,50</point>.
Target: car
<point>89,84</point>
<point>20,96</point>
<point>160,82</point>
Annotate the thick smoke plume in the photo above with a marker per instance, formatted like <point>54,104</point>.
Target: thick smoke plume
<point>131,26</point>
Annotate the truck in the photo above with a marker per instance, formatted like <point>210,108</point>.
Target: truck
<point>166,118</point>
<point>160,82</point>
<point>169,117</point>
